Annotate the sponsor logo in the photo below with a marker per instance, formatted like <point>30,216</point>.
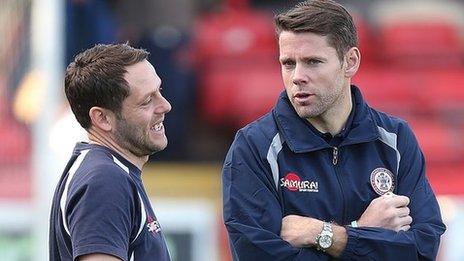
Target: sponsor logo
<point>153,225</point>
<point>382,181</point>
<point>293,183</point>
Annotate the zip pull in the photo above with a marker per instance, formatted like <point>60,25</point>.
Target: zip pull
<point>335,156</point>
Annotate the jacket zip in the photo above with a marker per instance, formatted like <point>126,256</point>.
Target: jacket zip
<point>335,156</point>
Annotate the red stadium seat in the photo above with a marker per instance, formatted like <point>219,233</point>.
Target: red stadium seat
<point>258,93</point>
<point>446,179</point>
<point>15,145</point>
<point>238,66</point>
<point>234,34</point>
<point>392,91</point>
<point>444,91</point>
<point>422,44</point>
<point>439,142</point>
<point>416,92</point>
<point>15,182</point>
<point>14,160</point>
<point>367,43</point>
<point>236,97</point>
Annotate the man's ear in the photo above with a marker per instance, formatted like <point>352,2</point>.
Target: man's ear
<point>352,60</point>
<point>101,118</point>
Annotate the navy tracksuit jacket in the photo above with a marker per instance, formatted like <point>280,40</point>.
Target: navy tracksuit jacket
<point>279,166</point>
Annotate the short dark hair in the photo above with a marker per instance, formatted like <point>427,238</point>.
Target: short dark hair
<point>323,17</point>
<point>96,78</point>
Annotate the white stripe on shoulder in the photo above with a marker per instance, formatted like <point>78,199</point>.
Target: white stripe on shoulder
<point>64,197</point>
<point>120,164</point>
<point>142,219</point>
<point>143,212</point>
<point>391,140</point>
<point>274,149</point>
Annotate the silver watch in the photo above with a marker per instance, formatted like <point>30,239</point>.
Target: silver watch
<point>325,239</point>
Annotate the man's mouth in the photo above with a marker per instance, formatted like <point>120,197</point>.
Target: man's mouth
<point>158,127</point>
<point>302,97</point>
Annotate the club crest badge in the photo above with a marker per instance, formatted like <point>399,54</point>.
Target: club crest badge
<point>382,181</point>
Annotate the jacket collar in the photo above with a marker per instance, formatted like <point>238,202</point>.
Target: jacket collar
<point>301,137</point>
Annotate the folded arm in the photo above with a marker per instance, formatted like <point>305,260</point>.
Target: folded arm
<point>406,227</point>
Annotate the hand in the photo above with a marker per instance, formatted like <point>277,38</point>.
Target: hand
<point>300,231</point>
<point>388,211</point>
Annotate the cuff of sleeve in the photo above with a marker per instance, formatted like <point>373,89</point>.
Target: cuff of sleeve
<point>101,249</point>
<point>350,250</point>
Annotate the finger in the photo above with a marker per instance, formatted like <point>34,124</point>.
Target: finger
<point>403,211</point>
<point>403,221</point>
<point>400,201</point>
<point>288,218</point>
<point>404,228</point>
<point>389,194</point>
<point>409,219</point>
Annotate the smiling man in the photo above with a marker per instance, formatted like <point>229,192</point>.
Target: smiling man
<point>323,175</point>
<point>100,208</point>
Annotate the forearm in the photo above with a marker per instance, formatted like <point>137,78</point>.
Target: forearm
<point>367,242</point>
<point>301,232</point>
<point>253,243</point>
<point>420,240</point>
<point>339,241</point>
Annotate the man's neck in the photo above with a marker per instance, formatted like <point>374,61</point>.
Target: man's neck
<point>333,120</point>
<point>96,137</point>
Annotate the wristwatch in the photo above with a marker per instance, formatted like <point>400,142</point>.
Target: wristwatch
<point>325,239</point>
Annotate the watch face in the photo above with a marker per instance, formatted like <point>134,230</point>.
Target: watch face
<point>325,241</point>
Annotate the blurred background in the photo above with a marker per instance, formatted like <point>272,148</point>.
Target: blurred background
<point>218,62</point>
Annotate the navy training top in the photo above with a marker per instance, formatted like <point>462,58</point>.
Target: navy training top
<point>100,206</point>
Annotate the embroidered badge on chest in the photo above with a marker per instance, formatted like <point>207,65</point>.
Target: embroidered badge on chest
<point>382,181</point>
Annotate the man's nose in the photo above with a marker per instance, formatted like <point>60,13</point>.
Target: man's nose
<point>299,75</point>
<point>164,106</point>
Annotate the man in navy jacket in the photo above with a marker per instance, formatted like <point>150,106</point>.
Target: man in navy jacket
<point>323,175</point>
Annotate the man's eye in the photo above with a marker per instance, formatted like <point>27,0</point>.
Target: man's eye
<point>314,61</point>
<point>288,64</point>
<point>147,101</point>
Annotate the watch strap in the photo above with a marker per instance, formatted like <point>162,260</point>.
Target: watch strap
<point>326,231</point>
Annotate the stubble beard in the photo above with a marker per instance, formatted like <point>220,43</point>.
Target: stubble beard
<point>134,139</point>
<point>320,107</point>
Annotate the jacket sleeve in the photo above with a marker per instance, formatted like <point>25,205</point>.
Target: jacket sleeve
<point>252,210</point>
<point>422,240</point>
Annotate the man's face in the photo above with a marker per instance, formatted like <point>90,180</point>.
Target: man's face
<point>139,126</point>
<point>313,75</point>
